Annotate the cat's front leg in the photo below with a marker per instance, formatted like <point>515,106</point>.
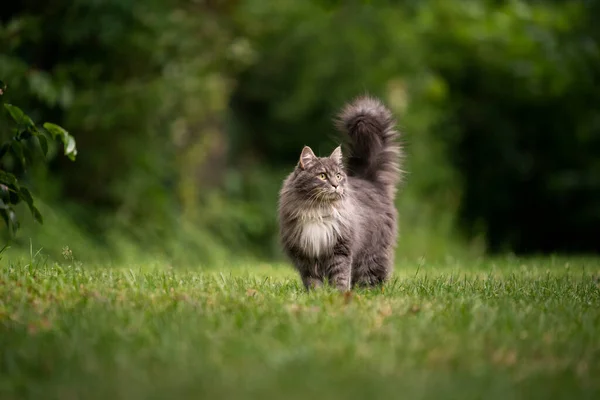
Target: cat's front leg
<point>339,268</point>
<point>310,282</point>
<point>306,267</point>
<point>309,272</point>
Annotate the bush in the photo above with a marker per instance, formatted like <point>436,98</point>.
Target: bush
<point>28,143</point>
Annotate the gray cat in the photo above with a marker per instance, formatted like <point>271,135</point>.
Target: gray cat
<point>339,222</point>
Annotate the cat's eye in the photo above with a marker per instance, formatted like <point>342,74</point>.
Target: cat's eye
<point>338,176</point>
<point>322,177</point>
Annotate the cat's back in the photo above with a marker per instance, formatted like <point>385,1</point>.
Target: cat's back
<point>376,214</point>
<point>368,197</point>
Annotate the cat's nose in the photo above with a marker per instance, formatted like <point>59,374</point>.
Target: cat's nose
<point>334,184</point>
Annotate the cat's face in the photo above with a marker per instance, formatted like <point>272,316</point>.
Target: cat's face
<point>320,179</point>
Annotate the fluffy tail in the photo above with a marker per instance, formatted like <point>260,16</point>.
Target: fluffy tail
<point>375,153</point>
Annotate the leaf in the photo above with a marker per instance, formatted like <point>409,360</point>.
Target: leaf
<point>25,194</point>
<point>18,115</point>
<point>37,215</point>
<point>4,192</point>
<point>31,131</point>
<point>4,214</point>
<point>56,131</point>
<point>3,149</point>
<point>43,144</point>
<point>17,149</point>
<point>14,222</point>
<point>10,218</point>
<point>70,149</point>
<point>25,134</point>
<point>8,178</point>
<point>13,196</point>
<point>65,137</point>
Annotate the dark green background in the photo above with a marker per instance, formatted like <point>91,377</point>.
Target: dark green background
<point>188,114</point>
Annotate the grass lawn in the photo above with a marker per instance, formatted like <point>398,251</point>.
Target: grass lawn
<point>485,329</point>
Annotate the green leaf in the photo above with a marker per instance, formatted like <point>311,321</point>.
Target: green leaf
<point>3,149</point>
<point>37,215</point>
<point>4,214</point>
<point>65,137</point>
<point>56,131</point>
<point>4,192</point>
<point>18,115</point>
<point>13,196</point>
<point>8,178</point>
<point>70,149</point>
<point>26,133</point>
<point>13,222</point>
<point>43,144</point>
<point>10,218</point>
<point>32,131</point>
<point>25,194</point>
<point>17,149</point>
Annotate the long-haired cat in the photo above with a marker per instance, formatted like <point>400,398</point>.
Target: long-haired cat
<point>338,222</point>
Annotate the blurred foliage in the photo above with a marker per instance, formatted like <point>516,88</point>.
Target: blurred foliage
<point>191,112</point>
<point>523,109</point>
<point>28,143</point>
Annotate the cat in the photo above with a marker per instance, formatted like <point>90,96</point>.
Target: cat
<point>339,222</point>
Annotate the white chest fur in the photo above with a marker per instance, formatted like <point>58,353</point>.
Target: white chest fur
<point>318,230</point>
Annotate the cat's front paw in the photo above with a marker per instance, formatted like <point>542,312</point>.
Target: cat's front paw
<point>311,283</point>
<point>341,283</point>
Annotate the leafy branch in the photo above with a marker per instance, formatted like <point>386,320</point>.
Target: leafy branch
<point>27,136</point>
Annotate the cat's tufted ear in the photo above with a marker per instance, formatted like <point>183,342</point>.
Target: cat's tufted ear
<point>336,155</point>
<point>307,157</point>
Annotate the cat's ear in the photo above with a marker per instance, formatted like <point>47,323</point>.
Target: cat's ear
<point>336,155</point>
<point>307,157</point>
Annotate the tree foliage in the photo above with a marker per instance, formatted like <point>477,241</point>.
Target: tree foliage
<point>190,113</point>
<point>522,82</point>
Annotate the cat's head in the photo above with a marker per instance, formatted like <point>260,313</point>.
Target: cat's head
<point>320,179</point>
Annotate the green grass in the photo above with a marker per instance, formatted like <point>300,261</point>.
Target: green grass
<point>488,329</point>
